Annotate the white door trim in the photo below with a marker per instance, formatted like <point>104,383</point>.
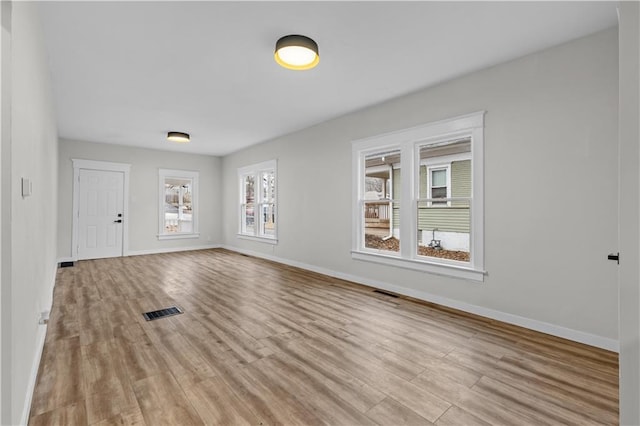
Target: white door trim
<point>104,166</point>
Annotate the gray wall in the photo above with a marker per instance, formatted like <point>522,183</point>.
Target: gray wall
<point>31,259</point>
<point>5,212</point>
<point>550,195</point>
<point>143,192</point>
<point>629,213</point>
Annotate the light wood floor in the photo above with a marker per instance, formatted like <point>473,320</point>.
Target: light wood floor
<point>262,343</point>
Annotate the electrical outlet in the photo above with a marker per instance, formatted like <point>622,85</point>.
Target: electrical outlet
<point>44,317</point>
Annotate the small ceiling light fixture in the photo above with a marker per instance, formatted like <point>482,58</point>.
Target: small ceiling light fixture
<point>297,52</point>
<point>178,137</point>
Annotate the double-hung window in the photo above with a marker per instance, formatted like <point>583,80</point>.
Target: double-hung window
<point>178,204</point>
<point>418,198</point>
<point>258,202</point>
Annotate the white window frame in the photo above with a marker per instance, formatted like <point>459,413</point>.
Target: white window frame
<point>256,170</point>
<point>163,174</point>
<point>409,141</point>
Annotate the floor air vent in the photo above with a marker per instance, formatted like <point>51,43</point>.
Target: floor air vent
<point>167,312</point>
<point>385,293</point>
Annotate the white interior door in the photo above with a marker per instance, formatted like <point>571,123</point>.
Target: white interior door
<point>100,214</point>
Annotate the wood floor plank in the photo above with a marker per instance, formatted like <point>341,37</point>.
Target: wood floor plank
<point>592,391</point>
<point>267,398</point>
<point>59,376</point>
<point>421,400</point>
<point>94,323</point>
<point>72,414</point>
<point>490,409</point>
<point>216,403</point>
<point>457,372</point>
<point>474,359</point>
<point>132,417</point>
<point>391,412</point>
<point>577,402</point>
<point>393,362</point>
<point>106,405</point>
<point>163,402</point>
<point>263,343</point>
<point>529,404</point>
<point>353,390</point>
<point>240,342</point>
<point>456,416</point>
<point>64,322</point>
<point>445,387</point>
<point>107,387</point>
<point>141,359</point>
<point>313,394</point>
<point>180,357</point>
<point>493,412</point>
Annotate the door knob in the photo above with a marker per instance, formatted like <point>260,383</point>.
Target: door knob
<point>615,257</point>
<point>117,221</point>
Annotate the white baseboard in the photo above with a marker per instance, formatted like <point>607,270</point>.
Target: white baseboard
<point>171,250</point>
<point>35,366</point>
<point>541,326</point>
<point>42,333</point>
<point>153,251</point>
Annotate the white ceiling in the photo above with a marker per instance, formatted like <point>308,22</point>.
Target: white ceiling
<point>126,73</point>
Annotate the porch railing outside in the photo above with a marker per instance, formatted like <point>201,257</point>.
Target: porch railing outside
<point>377,210</point>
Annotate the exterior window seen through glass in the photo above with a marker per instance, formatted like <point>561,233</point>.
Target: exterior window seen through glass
<point>380,203</point>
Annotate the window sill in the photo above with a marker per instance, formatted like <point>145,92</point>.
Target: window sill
<point>177,236</point>
<point>259,239</point>
<point>423,266</point>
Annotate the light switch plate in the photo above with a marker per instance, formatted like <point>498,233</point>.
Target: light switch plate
<point>26,187</point>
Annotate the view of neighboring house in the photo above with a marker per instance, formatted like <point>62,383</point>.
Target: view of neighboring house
<point>443,202</point>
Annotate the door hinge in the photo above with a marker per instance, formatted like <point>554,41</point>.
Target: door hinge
<point>615,257</point>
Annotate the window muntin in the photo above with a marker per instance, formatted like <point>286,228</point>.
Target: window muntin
<point>258,201</point>
<point>178,202</point>
<point>439,196</point>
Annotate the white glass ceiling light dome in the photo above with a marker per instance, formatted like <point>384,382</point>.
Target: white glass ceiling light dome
<point>297,52</point>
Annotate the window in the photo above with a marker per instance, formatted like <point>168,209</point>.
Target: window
<point>178,204</point>
<point>257,216</point>
<point>439,185</point>
<point>418,198</point>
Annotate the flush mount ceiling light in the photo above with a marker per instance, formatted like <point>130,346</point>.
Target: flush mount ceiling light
<point>297,52</point>
<point>178,137</point>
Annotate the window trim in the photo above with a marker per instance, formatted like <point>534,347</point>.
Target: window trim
<point>256,170</point>
<point>409,142</point>
<point>163,174</point>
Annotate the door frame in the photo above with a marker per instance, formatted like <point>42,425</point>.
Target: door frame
<point>103,166</point>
